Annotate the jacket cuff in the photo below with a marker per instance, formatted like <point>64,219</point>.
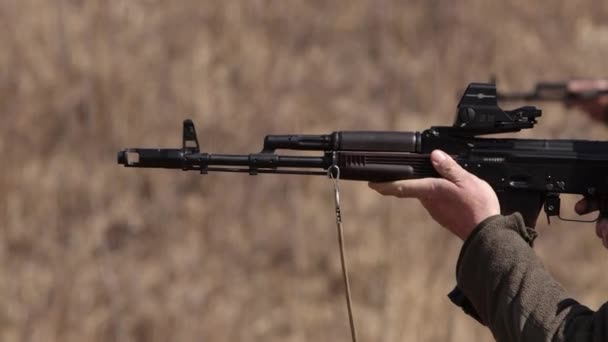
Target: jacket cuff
<point>514,222</point>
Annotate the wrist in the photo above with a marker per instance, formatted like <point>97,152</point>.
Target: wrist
<point>479,223</point>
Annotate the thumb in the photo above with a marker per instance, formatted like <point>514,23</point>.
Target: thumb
<point>447,167</point>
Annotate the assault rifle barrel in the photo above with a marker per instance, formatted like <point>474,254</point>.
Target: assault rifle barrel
<point>179,159</point>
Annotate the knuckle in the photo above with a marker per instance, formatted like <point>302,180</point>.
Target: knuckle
<point>448,168</point>
<point>428,192</point>
<point>433,187</point>
<point>470,183</point>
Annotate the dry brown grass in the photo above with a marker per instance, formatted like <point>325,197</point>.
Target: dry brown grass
<point>93,252</point>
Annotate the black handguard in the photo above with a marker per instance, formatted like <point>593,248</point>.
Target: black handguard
<point>525,173</point>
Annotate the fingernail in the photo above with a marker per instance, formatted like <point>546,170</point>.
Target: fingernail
<point>440,156</point>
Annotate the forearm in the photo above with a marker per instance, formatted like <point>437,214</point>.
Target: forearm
<point>512,292</point>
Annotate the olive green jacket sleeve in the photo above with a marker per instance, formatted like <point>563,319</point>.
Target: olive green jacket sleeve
<point>511,292</point>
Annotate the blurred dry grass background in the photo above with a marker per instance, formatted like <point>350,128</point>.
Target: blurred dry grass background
<point>90,251</point>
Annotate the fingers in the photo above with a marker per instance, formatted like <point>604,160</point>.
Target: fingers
<point>601,229</point>
<point>592,104</point>
<point>583,85</point>
<point>417,188</point>
<point>585,206</point>
<point>588,205</point>
<point>447,167</point>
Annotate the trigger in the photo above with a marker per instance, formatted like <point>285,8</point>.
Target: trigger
<point>552,205</point>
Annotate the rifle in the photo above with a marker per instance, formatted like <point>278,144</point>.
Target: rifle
<point>552,91</point>
<point>525,173</point>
